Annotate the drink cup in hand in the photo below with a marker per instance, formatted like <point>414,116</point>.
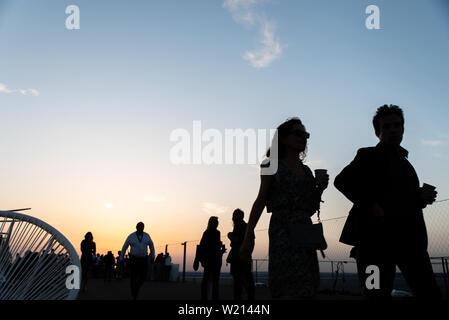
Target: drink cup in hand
<point>427,187</point>
<point>428,193</point>
<point>322,177</point>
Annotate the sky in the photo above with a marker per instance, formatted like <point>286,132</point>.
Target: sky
<point>87,114</point>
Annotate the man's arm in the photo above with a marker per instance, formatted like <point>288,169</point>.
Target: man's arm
<point>124,248</point>
<point>357,183</point>
<point>204,240</point>
<point>239,235</point>
<point>352,180</point>
<point>151,245</point>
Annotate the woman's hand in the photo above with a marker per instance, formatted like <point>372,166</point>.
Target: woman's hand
<point>322,181</point>
<point>196,264</point>
<point>259,204</point>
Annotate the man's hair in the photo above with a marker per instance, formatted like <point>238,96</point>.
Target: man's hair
<point>384,111</point>
<point>238,213</point>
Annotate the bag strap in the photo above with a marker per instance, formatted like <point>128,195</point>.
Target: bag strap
<point>322,254</point>
<point>318,213</point>
<point>319,207</point>
<point>319,221</point>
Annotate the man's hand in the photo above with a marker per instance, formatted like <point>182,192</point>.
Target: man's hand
<point>427,196</point>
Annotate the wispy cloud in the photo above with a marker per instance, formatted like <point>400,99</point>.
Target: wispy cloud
<point>270,49</point>
<point>151,198</point>
<point>242,10</point>
<point>34,92</point>
<point>432,143</point>
<point>239,4</point>
<point>213,208</point>
<point>4,88</point>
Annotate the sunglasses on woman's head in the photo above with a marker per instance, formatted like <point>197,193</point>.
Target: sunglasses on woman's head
<point>301,133</point>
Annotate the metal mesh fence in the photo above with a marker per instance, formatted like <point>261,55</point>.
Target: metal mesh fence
<point>437,222</point>
<point>337,253</point>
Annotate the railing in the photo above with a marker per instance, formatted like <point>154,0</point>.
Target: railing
<point>337,255</point>
<point>34,258</point>
<point>338,272</point>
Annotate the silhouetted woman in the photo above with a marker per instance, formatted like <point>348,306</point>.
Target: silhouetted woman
<point>292,195</point>
<point>88,252</point>
<point>212,250</point>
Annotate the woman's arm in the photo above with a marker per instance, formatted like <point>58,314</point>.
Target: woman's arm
<point>256,211</point>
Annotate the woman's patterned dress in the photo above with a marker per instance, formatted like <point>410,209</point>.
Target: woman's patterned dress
<point>293,271</point>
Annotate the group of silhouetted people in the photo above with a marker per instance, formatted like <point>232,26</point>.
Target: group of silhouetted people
<point>135,263</point>
<point>210,255</point>
<point>138,265</point>
<point>161,267</point>
<point>385,226</point>
<point>98,265</point>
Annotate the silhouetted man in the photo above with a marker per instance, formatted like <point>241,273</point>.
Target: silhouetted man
<point>240,270</point>
<point>138,263</point>
<point>386,223</point>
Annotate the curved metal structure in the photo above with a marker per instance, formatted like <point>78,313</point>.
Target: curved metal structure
<point>34,258</point>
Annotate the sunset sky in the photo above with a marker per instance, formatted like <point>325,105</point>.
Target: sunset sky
<point>87,114</point>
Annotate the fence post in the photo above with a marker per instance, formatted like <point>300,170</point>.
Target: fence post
<point>256,271</point>
<point>445,274</point>
<point>184,262</point>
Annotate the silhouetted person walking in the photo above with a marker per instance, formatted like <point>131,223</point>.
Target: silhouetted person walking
<point>212,250</point>
<point>120,266</point>
<point>240,269</point>
<point>108,266</point>
<point>138,263</point>
<point>167,267</point>
<point>159,266</point>
<point>88,252</point>
<point>293,196</point>
<point>386,224</point>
